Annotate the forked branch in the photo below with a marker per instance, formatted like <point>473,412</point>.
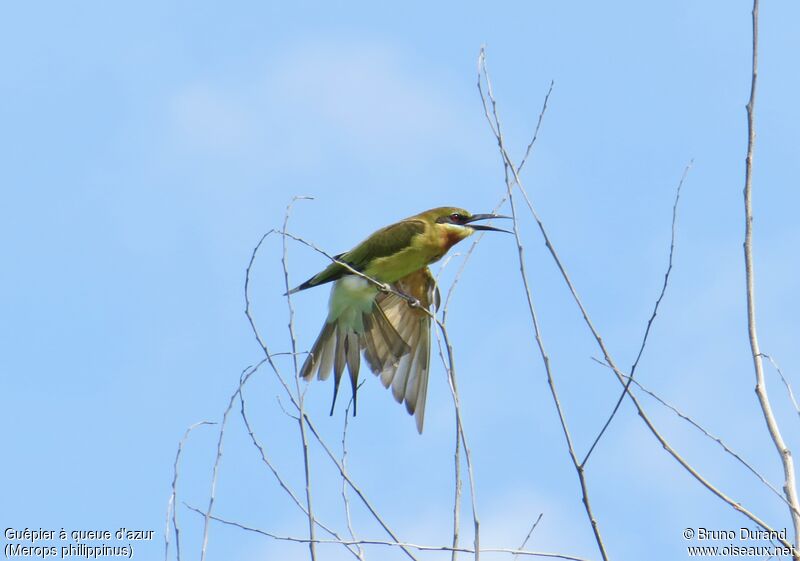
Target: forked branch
<point>511,173</point>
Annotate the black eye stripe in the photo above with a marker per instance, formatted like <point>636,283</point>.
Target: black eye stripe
<point>453,218</point>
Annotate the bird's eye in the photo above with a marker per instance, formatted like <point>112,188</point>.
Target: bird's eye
<point>455,217</point>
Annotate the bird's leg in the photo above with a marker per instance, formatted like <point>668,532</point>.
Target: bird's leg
<point>387,288</point>
<point>412,302</point>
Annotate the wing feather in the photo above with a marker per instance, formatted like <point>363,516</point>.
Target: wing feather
<point>408,378</point>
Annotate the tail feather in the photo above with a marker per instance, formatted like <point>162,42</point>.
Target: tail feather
<point>352,349</point>
<point>339,344</point>
<point>339,360</point>
<point>326,360</point>
<point>316,358</point>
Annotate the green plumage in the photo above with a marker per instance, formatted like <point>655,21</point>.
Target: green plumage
<point>385,242</point>
<point>393,335</point>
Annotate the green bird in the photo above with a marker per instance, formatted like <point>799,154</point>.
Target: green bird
<point>394,335</point>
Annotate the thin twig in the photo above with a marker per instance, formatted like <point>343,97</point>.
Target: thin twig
<point>248,312</point>
<point>246,373</point>
<point>500,203</point>
<point>508,165</point>
<point>287,284</point>
<point>283,409</point>
<point>708,434</point>
<point>353,486</point>
<point>262,343</point>
<point>414,303</point>
<point>265,459</point>
<point>620,377</point>
<point>381,286</point>
<point>300,395</point>
<point>442,323</point>
<point>403,545</point>
<point>536,130</point>
<point>449,366</point>
<point>457,450</point>
<point>530,533</point>
<point>173,498</point>
<point>345,500</point>
<point>784,380</point>
<point>457,490</point>
<point>451,371</point>
<point>457,482</point>
<point>652,316</point>
<point>789,486</point>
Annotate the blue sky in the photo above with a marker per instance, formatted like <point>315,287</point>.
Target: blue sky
<point>146,147</point>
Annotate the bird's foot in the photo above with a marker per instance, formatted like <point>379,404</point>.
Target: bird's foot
<point>412,302</point>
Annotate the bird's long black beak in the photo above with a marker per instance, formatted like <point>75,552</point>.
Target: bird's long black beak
<point>475,217</point>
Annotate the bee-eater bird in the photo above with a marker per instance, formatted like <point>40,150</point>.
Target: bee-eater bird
<point>393,334</point>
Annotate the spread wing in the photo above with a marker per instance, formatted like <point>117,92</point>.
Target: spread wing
<point>408,375</point>
<point>386,241</point>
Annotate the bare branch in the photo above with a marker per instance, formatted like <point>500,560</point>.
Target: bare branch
<point>283,409</point>
<point>622,380</point>
<point>457,451</point>
<point>502,200</point>
<point>790,485</point>
<point>383,287</point>
<point>443,342</point>
<point>359,549</point>
<point>530,532</point>
<point>413,302</point>
<point>652,316</point>
<point>708,434</point>
<point>248,311</point>
<point>284,264</point>
<point>403,545</point>
<point>508,166</point>
<point>536,130</point>
<point>458,487</point>
<point>451,377</point>
<point>265,459</point>
<point>300,395</point>
<point>290,395</point>
<point>246,373</point>
<point>353,486</point>
<point>612,364</point>
<point>784,380</point>
<point>457,482</point>
<point>171,510</point>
